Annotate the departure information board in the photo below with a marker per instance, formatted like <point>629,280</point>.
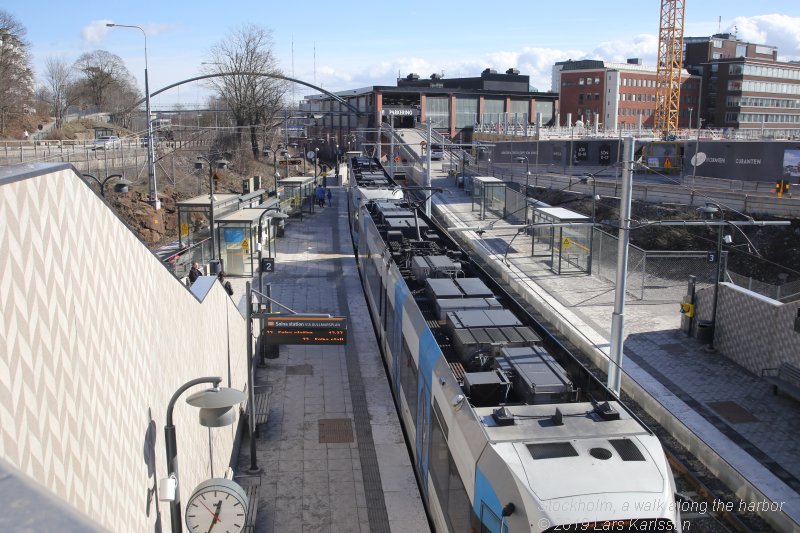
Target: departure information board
<point>300,329</point>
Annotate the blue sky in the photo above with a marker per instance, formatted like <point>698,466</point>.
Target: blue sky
<point>353,44</point>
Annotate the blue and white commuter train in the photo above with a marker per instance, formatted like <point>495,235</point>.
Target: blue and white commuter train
<point>507,430</point>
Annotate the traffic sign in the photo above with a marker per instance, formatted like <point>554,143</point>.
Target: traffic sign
<point>567,242</point>
<point>184,230</point>
<point>246,246</point>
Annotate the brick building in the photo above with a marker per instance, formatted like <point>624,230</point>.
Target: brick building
<point>604,95</point>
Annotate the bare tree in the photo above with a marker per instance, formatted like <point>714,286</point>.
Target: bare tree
<point>59,89</point>
<point>252,99</point>
<point>105,79</point>
<point>16,75</point>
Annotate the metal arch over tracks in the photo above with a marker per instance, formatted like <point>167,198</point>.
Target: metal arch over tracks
<point>264,74</point>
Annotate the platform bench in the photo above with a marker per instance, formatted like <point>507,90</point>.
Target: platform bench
<point>252,509</point>
<point>784,378</point>
<point>261,399</point>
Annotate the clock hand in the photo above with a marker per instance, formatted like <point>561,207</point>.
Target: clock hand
<point>216,517</point>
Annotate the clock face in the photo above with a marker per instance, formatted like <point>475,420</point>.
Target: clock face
<point>217,506</point>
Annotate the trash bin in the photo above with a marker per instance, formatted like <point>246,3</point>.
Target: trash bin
<point>705,331</point>
<point>215,267</point>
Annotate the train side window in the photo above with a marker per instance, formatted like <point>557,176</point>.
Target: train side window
<point>389,326</point>
<point>449,488</point>
<point>490,522</point>
<point>408,380</point>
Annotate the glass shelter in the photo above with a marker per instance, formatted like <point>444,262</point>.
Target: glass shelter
<point>237,238</point>
<point>297,196</point>
<point>489,194</point>
<point>193,216</point>
<point>569,246</point>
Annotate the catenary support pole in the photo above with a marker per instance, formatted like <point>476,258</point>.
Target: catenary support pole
<point>618,316</point>
<point>428,169</point>
<point>251,385</point>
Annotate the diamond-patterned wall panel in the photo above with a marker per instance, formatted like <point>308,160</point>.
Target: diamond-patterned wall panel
<point>755,331</point>
<point>96,335</point>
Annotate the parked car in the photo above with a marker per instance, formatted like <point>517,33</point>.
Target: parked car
<point>156,140</point>
<point>106,142</point>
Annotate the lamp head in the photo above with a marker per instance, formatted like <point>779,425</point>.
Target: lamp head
<point>708,211</point>
<point>198,165</point>
<point>110,24</point>
<point>216,405</point>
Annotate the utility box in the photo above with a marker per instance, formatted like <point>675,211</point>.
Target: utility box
<point>486,388</point>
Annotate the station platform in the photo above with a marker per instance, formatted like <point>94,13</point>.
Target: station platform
<point>332,452</point>
<point>724,414</point>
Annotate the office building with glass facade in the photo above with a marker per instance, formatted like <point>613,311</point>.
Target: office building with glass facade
<point>745,86</point>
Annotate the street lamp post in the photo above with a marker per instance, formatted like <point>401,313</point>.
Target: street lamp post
<point>536,164</point>
<point>122,185</point>
<point>337,163</point>
<point>151,160</point>
<point>199,165</point>
<point>520,159</point>
<point>215,411</point>
<point>584,179</point>
<point>710,210</point>
<point>316,163</point>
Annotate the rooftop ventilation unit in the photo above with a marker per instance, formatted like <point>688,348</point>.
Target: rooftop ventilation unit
<point>489,71</point>
<point>436,76</point>
<point>513,72</point>
<point>412,76</point>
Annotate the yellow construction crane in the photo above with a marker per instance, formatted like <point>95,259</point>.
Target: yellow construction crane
<point>670,64</point>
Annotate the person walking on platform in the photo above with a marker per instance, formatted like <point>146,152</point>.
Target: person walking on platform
<point>329,195</point>
<point>226,284</point>
<point>320,195</point>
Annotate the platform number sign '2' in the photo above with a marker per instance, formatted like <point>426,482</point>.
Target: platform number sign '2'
<point>267,264</point>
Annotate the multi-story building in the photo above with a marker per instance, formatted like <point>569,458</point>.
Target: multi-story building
<point>745,86</point>
<point>454,105</point>
<point>607,96</point>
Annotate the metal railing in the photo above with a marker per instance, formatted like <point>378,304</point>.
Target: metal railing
<point>180,262</point>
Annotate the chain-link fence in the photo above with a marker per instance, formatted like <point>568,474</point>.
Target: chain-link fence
<point>654,275</point>
<point>787,292</point>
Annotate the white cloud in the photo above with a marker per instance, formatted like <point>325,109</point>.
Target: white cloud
<point>778,30</point>
<point>643,46</point>
<point>534,62</point>
<point>782,31</point>
<point>95,31</point>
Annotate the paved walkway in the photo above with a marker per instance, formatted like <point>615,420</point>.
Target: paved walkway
<point>333,454</point>
<point>701,390</point>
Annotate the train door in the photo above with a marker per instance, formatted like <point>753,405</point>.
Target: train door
<point>423,429</point>
<point>395,340</point>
